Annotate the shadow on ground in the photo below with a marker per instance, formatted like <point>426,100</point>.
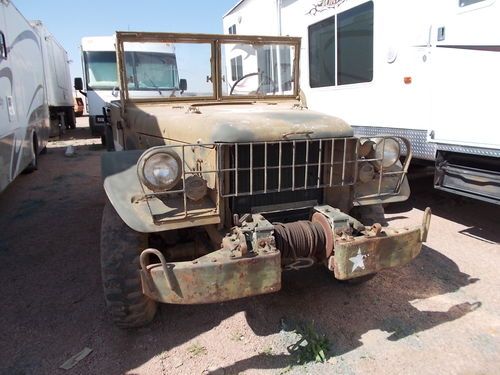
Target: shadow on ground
<point>479,217</point>
<point>343,313</point>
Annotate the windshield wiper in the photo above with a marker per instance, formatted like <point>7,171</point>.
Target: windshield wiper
<point>152,83</point>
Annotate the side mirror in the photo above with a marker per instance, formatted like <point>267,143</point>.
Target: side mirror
<point>78,84</point>
<point>183,85</point>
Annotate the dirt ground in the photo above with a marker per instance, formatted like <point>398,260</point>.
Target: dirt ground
<point>440,314</point>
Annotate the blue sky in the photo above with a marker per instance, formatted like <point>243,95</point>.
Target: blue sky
<point>69,21</point>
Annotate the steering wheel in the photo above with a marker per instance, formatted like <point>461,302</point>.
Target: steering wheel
<point>264,79</point>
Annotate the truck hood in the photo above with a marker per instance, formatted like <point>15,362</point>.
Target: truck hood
<point>239,122</point>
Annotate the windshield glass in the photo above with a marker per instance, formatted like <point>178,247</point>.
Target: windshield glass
<point>101,70</point>
<point>184,71</point>
<point>257,69</point>
<point>151,71</point>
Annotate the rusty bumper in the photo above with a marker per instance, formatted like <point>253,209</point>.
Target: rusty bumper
<point>249,263</point>
<point>219,276</point>
<point>378,249</point>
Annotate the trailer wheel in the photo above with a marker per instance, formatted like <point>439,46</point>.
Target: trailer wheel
<point>70,118</point>
<point>120,250</point>
<point>33,165</point>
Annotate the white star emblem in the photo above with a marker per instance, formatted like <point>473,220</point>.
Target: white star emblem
<point>357,261</point>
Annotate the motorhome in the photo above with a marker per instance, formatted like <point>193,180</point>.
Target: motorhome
<point>425,70</point>
<point>24,115</point>
<point>101,77</point>
<point>59,88</point>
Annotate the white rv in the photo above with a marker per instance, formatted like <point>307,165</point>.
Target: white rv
<point>24,115</point>
<point>101,77</point>
<point>426,70</point>
<point>57,78</point>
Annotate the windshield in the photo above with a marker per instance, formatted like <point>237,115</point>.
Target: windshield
<point>145,70</point>
<point>162,75</point>
<point>151,71</point>
<point>261,69</point>
<point>101,70</point>
<point>208,66</point>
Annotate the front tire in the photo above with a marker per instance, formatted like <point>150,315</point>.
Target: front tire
<point>120,250</point>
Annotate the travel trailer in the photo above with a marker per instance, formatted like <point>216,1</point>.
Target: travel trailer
<point>100,83</point>
<point>425,70</point>
<point>24,114</point>
<point>59,88</point>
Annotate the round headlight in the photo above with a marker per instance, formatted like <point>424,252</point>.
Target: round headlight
<point>389,150</point>
<point>161,170</point>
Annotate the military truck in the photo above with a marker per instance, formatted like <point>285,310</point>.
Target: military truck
<point>214,190</point>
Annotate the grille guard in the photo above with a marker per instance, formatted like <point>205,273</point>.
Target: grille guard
<point>247,168</point>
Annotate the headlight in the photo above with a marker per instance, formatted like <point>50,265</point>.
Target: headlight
<point>387,149</point>
<point>160,169</point>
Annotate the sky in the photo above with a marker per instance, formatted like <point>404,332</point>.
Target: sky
<point>69,21</point>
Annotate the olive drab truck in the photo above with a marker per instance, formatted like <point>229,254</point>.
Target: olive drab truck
<point>224,182</point>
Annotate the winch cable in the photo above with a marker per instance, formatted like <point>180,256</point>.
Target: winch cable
<point>301,239</point>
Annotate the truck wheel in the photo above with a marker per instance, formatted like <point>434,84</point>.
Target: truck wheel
<point>120,250</point>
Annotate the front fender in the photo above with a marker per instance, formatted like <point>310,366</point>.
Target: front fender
<point>122,186</point>
<point>143,211</point>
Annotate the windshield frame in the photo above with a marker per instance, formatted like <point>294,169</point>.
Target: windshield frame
<point>216,41</point>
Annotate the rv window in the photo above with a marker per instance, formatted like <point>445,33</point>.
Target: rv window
<point>322,53</point>
<point>236,68</point>
<point>354,48</point>
<point>464,3</point>
<point>355,45</point>
<point>3,47</point>
<point>232,29</point>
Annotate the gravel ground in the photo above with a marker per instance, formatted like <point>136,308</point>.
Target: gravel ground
<point>440,314</point>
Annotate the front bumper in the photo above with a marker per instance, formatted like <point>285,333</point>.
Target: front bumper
<point>249,264</point>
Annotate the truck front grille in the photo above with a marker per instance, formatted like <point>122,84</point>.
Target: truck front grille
<point>282,166</point>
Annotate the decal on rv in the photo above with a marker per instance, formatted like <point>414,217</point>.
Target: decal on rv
<point>322,5</point>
